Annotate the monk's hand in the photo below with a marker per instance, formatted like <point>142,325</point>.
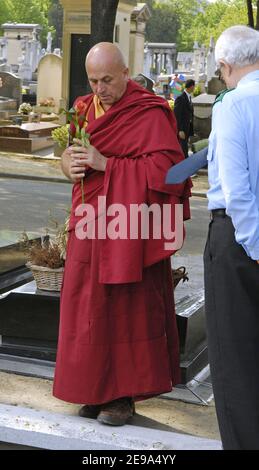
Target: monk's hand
<point>88,157</point>
<point>182,135</point>
<point>75,166</point>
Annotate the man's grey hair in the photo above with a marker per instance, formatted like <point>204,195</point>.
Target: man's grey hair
<point>238,45</point>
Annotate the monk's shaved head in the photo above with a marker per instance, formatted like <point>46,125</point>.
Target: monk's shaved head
<point>107,73</point>
<point>105,52</point>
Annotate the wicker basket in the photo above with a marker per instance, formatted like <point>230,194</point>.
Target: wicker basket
<point>47,278</point>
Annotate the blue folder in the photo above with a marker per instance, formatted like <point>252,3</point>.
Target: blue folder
<point>180,172</point>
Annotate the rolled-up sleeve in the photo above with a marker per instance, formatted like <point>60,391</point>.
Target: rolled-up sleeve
<point>235,176</point>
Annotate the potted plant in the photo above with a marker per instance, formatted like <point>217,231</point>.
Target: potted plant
<point>25,108</point>
<point>45,105</point>
<point>46,258</point>
<point>60,135</point>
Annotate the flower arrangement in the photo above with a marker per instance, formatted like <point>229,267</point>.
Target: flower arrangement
<point>50,252</point>
<point>197,90</point>
<point>61,136</point>
<point>171,104</point>
<point>25,108</point>
<point>46,257</point>
<point>46,102</point>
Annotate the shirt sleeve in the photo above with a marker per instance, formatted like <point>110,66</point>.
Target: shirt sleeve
<point>232,156</point>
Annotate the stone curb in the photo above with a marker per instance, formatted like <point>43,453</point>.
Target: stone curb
<point>199,194</point>
<point>34,178</point>
<point>45,430</point>
<point>64,180</point>
<point>30,156</point>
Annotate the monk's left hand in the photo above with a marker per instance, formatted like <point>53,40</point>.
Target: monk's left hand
<point>89,156</point>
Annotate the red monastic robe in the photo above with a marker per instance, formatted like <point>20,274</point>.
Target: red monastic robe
<point>118,334</point>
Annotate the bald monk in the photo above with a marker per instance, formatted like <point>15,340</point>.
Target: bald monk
<point>118,339</point>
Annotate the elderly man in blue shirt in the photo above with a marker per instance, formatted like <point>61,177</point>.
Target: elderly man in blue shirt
<point>232,251</point>
<point>231,257</point>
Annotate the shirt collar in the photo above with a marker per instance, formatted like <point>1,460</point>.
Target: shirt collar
<point>188,94</point>
<point>249,77</point>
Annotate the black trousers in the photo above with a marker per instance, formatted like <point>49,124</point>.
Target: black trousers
<point>232,313</point>
<point>184,145</point>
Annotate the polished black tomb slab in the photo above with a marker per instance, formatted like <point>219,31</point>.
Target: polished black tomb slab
<point>29,321</point>
<point>13,271</point>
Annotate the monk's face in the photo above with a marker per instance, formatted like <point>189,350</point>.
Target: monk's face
<point>108,80</point>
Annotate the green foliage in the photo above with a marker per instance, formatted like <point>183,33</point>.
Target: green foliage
<point>216,18</point>
<point>163,25</point>
<point>26,11</point>
<point>61,136</point>
<point>186,21</point>
<point>5,13</point>
<point>197,90</point>
<point>205,22</point>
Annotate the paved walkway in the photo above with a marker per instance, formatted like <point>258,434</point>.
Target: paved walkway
<point>47,168</point>
<point>27,404</point>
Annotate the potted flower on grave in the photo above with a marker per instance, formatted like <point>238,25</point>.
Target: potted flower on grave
<point>45,105</point>
<point>60,135</point>
<point>25,108</point>
<point>46,257</point>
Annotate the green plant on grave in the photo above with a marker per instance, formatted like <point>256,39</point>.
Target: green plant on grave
<point>61,136</point>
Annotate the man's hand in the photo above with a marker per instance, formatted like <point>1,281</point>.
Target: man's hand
<point>182,135</point>
<point>88,157</point>
<point>257,261</point>
<point>75,160</point>
<point>72,172</point>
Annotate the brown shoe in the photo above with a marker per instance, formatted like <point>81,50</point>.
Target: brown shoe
<point>117,412</point>
<point>89,411</point>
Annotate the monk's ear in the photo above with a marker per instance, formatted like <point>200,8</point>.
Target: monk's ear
<point>126,73</point>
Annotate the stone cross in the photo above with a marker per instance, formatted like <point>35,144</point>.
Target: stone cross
<point>49,42</point>
<point>197,59</point>
<point>211,63</point>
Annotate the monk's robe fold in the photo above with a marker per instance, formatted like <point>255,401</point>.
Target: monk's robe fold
<point>118,334</point>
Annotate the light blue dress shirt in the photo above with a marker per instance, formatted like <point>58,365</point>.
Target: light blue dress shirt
<point>233,161</point>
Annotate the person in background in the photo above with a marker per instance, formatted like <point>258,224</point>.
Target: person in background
<point>183,110</point>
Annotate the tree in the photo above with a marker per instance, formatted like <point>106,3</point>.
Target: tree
<point>171,21</point>
<point>27,11</point>
<point>250,13</point>
<point>4,11</point>
<point>216,18</point>
<point>103,14</point>
<point>55,19</point>
<point>164,23</point>
<point>253,7</point>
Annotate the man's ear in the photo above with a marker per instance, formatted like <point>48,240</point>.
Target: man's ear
<point>227,69</point>
<point>126,73</point>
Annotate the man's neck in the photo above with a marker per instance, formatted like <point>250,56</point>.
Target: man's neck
<point>106,106</point>
<point>243,71</point>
